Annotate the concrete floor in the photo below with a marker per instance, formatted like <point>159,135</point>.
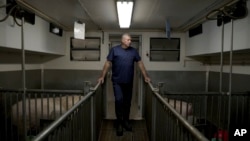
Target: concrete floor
<point>139,133</point>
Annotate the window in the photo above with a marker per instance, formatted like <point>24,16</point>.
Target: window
<point>163,49</point>
<point>85,50</point>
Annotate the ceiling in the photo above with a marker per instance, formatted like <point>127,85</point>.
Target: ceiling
<point>148,15</point>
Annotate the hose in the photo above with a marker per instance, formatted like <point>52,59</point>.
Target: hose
<point>16,9</point>
<point>15,15</point>
<point>213,12</point>
<point>6,17</point>
<point>229,11</point>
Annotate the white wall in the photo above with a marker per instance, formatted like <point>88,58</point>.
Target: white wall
<point>235,69</point>
<point>17,67</point>
<point>211,39</point>
<point>36,37</point>
<point>184,63</point>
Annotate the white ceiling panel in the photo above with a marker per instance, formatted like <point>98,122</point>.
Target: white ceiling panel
<point>147,14</point>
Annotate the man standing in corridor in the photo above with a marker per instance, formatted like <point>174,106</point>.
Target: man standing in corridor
<point>122,58</point>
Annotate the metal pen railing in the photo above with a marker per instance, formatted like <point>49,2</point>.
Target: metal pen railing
<point>164,122</point>
<point>77,123</point>
<point>42,108</point>
<point>210,111</point>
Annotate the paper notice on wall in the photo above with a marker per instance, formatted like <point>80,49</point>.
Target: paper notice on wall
<point>79,30</point>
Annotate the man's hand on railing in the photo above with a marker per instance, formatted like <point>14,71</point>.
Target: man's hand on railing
<point>101,80</point>
<point>96,86</point>
<point>147,79</point>
<point>152,87</point>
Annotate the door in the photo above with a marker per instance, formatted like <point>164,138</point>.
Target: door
<point>136,108</point>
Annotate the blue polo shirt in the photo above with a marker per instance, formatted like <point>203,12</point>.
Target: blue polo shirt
<point>123,63</point>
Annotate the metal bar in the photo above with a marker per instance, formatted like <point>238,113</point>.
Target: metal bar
<point>221,56</point>
<point>60,102</point>
<point>44,91</point>
<point>231,58</point>
<point>12,129</point>
<point>42,106</point>
<point>230,74</point>
<point>5,113</point>
<point>42,77</point>
<point>54,107</point>
<point>17,113</point>
<point>48,106</point>
<point>24,79</point>
<point>94,88</point>
<point>153,119</point>
<point>29,109</point>
<point>36,110</point>
<point>207,81</point>
<point>93,137</point>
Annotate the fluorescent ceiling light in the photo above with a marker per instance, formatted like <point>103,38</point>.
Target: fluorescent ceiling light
<point>124,9</point>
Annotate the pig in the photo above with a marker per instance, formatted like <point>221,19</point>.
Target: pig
<point>182,107</point>
<point>34,113</point>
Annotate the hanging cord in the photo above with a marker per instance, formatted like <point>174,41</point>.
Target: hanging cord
<point>11,10</point>
<point>16,9</point>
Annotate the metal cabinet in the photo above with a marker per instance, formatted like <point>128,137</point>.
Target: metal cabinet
<point>85,50</point>
<point>163,49</point>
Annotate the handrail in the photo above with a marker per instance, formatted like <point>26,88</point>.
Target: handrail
<point>44,90</point>
<point>96,86</point>
<point>57,122</point>
<point>152,87</point>
<point>193,130</point>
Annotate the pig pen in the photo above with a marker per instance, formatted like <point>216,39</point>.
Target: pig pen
<point>41,108</point>
<point>214,114</point>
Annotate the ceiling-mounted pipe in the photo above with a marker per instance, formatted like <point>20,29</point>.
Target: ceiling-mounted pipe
<point>27,6</point>
<point>189,24</point>
<point>87,12</point>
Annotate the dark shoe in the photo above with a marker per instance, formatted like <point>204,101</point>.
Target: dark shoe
<point>127,126</point>
<point>119,130</point>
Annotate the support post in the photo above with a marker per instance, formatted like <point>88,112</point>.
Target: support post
<point>93,129</point>
<point>24,79</point>
<point>221,56</point>
<point>230,75</point>
<point>153,118</point>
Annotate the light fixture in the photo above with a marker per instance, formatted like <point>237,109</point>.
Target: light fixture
<point>55,30</point>
<point>124,9</point>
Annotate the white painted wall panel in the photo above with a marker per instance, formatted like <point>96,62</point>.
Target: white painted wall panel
<point>210,40</point>
<point>36,37</point>
<point>65,63</point>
